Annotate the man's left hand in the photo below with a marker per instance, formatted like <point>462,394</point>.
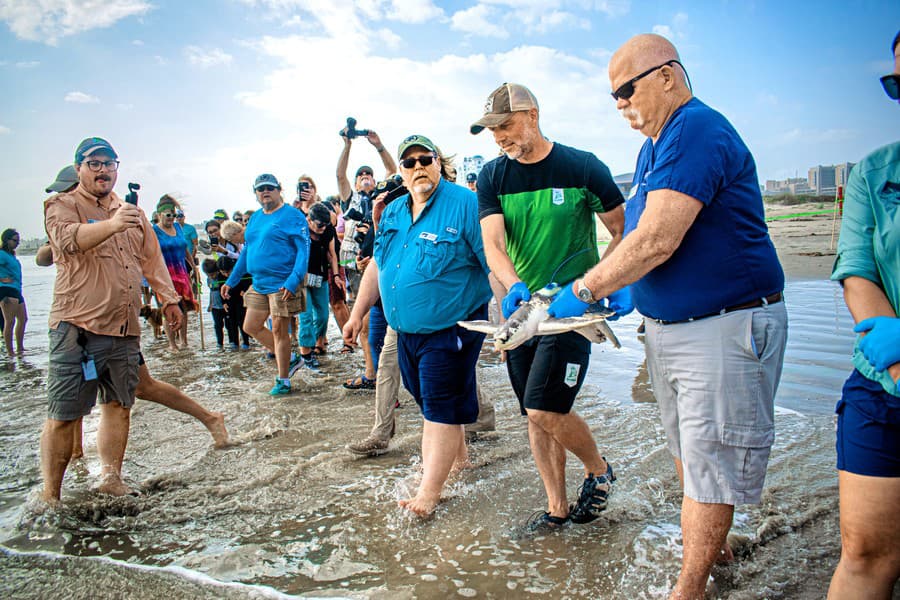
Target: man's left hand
<point>881,344</point>
<point>620,301</point>
<point>173,315</point>
<point>567,304</point>
<point>286,294</point>
<point>374,139</point>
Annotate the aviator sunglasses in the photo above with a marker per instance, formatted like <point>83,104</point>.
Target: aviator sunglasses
<point>891,85</point>
<point>424,160</point>
<point>626,90</point>
<point>266,188</point>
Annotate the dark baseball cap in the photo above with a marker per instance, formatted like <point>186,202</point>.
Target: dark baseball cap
<point>265,179</point>
<point>365,168</point>
<point>65,179</point>
<point>471,177</point>
<point>90,145</point>
<point>502,103</point>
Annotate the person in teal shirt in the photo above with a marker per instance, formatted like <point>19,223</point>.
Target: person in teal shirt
<point>429,270</point>
<point>188,231</point>
<point>12,302</point>
<point>868,424</point>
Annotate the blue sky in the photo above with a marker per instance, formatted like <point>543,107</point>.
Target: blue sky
<point>199,97</point>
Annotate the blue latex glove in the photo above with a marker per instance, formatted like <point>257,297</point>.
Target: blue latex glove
<point>620,301</point>
<point>567,304</point>
<point>881,346</point>
<point>517,294</point>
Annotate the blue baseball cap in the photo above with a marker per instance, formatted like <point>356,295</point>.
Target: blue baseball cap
<point>471,177</point>
<point>265,179</point>
<point>90,145</point>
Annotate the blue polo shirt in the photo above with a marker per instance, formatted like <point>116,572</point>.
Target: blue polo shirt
<point>726,257</point>
<point>432,273</point>
<point>276,251</point>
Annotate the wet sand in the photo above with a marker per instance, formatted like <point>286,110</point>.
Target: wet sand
<point>289,511</point>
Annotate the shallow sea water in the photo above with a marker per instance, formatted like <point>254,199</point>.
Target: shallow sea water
<point>288,511</point>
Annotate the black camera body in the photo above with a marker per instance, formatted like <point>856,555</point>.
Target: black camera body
<point>354,214</point>
<point>394,187</point>
<point>131,197</point>
<point>352,132</point>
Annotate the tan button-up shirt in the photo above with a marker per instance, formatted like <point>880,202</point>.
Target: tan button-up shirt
<point>100,289</point>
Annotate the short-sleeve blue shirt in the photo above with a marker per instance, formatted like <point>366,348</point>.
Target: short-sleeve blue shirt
<point>189,232</point>
<point>726,257</point>
<point>10,268</point>
<point>432,272</point>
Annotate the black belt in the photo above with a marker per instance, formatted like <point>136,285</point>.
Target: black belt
<point>771,299</point>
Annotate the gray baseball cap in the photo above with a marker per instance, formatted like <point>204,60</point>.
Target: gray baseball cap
<point>65,179</point>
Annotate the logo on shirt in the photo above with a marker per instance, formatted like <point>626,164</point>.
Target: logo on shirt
<point>431,237</point>
<point>451,230</point>
<point>559,197</point>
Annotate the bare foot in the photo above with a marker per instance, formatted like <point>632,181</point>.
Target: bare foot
<point>113,485</point>
<point>217,430</point>
<point>461,466</point>
<point>726,556</point>
<point>78,467</point>
<point>422,505</point>
<point>173,349</point>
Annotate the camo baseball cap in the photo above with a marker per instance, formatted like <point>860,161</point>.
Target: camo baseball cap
<point>502,103</point>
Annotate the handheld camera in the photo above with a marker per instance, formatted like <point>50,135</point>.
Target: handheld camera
<point>132,197</point>
<point>352,132</point>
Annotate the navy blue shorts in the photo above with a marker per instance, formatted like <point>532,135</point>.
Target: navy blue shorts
<point>438,369</point>
<point>547,371</point>
<point>868,429</point>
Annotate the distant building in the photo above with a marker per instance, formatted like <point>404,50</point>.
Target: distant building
<point>821,180</point>
<point>842,172</point>
<point>623,182</point>
<point>470,164</point>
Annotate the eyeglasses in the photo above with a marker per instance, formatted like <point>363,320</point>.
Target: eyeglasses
<point>168,215</point>
<point>891,85</point>
<point>179,215</point>
<point>318,223</point>
<point>424,160</point>
<point>96,165</point>
<point>266,188</point>
<point>626,90</point>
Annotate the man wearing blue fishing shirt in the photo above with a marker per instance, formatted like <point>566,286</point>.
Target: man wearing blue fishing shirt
<point>276,253</point>
<point>705,275</point>
<point>430,271</point>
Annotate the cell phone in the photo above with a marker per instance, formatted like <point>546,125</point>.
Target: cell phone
<point>213,240</point>
<point>302,186</point>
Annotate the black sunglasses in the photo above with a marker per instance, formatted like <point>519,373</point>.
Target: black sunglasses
<point>626,90</point>
<point>424,160</point>
<point>266,188</point>
<point>364,172</point>
<point>891,85</point>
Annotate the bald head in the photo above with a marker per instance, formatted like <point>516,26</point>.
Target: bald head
<point>641,53</point>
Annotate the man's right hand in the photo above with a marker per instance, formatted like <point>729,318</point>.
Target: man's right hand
<point>126,217</point>
<point>517,294</point>
<point>351,330</point>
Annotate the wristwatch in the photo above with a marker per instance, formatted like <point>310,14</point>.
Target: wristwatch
<point>583,292</point>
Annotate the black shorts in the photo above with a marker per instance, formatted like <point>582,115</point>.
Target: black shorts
<point>7,291</point>
<point>547,371</point>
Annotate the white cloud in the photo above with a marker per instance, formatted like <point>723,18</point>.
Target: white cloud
<point>27,64</point>
<point>663,30</point>
<point>137,42</point>
<point>48,20</point>
<point>413,11</point>
<point>4,130</point>
<point>676,30</point>
<point>478,20</point>
<point>390,39</point>
<point>161,61</point>
<point>81,98</point>
<point>207,58</point>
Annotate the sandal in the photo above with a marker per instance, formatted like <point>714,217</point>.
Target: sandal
<point>347,349</point>
<point>319,351</point>
<point>360,382</point>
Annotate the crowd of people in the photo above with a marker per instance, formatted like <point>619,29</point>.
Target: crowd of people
<point>689,250</point>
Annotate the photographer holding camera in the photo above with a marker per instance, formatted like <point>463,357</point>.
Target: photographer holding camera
<point>357,201</point>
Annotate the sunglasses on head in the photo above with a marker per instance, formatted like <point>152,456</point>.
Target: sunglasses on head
<point>891,85</point>
<point>424,160</point>
<point>266,188</point>
<point>626,90</point>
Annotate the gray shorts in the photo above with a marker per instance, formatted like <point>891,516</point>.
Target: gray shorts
<point>116,360</point>
<point>715,381</point>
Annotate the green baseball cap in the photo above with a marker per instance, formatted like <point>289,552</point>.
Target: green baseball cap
<point>416,140</point>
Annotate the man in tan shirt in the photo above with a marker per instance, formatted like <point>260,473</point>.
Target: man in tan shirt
<point>102,247</point>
